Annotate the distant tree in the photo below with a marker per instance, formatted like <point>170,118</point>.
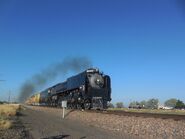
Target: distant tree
<point>137,103</point>
<point>110,105</point>
<point>143,104</point>
<point>119,105</point>
<point>132,104</point>
<point>179,104</point>
<point>170,102</point>
<point>5,102</point>
<point>152,103</point>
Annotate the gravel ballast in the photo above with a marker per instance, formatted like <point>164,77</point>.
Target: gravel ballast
<point>139,126</point>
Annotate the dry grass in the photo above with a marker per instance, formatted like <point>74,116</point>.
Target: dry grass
<point>5,124</point>
<point>6,111</point>
<point>159,111</point>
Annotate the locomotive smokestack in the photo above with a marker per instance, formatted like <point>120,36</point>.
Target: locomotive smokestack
<point>39,80</point>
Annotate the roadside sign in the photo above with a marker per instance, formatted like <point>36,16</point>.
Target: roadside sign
<point>64,105</point>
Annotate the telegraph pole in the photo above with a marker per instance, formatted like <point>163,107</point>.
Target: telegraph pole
<point>9,97</point>
<point>4,81</point>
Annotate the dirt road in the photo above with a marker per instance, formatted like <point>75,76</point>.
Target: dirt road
<point>47,125</point>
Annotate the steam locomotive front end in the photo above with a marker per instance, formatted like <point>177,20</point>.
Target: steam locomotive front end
<point>98,88</point>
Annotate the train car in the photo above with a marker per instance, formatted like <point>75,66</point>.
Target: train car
<point>34,99</point>
<point>87,90</point>
<point>37,99</point>
<point>30,100</point>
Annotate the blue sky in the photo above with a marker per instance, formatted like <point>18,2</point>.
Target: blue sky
<point>140,44</point>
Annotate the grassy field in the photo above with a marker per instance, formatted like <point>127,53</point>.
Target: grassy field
<point>6,112</point>
<point>158,111</point>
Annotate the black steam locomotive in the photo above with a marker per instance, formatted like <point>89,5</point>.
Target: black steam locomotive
<point>89,89</point>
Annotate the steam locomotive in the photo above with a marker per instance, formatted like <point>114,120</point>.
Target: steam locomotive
<point>90,89</point>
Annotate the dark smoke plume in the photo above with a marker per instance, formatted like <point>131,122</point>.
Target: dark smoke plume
<point>41,79</point>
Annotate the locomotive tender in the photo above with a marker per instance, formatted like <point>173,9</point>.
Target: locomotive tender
<point>89,89</point>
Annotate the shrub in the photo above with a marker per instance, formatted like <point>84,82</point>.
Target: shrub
<point>119,105</point>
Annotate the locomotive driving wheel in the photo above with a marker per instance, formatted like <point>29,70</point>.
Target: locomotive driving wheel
<point>87,105</point>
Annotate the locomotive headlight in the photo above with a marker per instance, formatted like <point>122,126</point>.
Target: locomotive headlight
<point>96,80</point>
<point>99,82</point>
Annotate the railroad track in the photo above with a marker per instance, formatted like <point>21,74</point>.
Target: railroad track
<point>140,114</point>
<point>126,113</point>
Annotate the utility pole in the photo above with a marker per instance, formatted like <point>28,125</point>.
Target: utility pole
<point>2,80</point>
<point>9,97</point>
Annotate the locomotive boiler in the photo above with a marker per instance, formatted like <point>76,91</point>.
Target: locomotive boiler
<point>89,89</point>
